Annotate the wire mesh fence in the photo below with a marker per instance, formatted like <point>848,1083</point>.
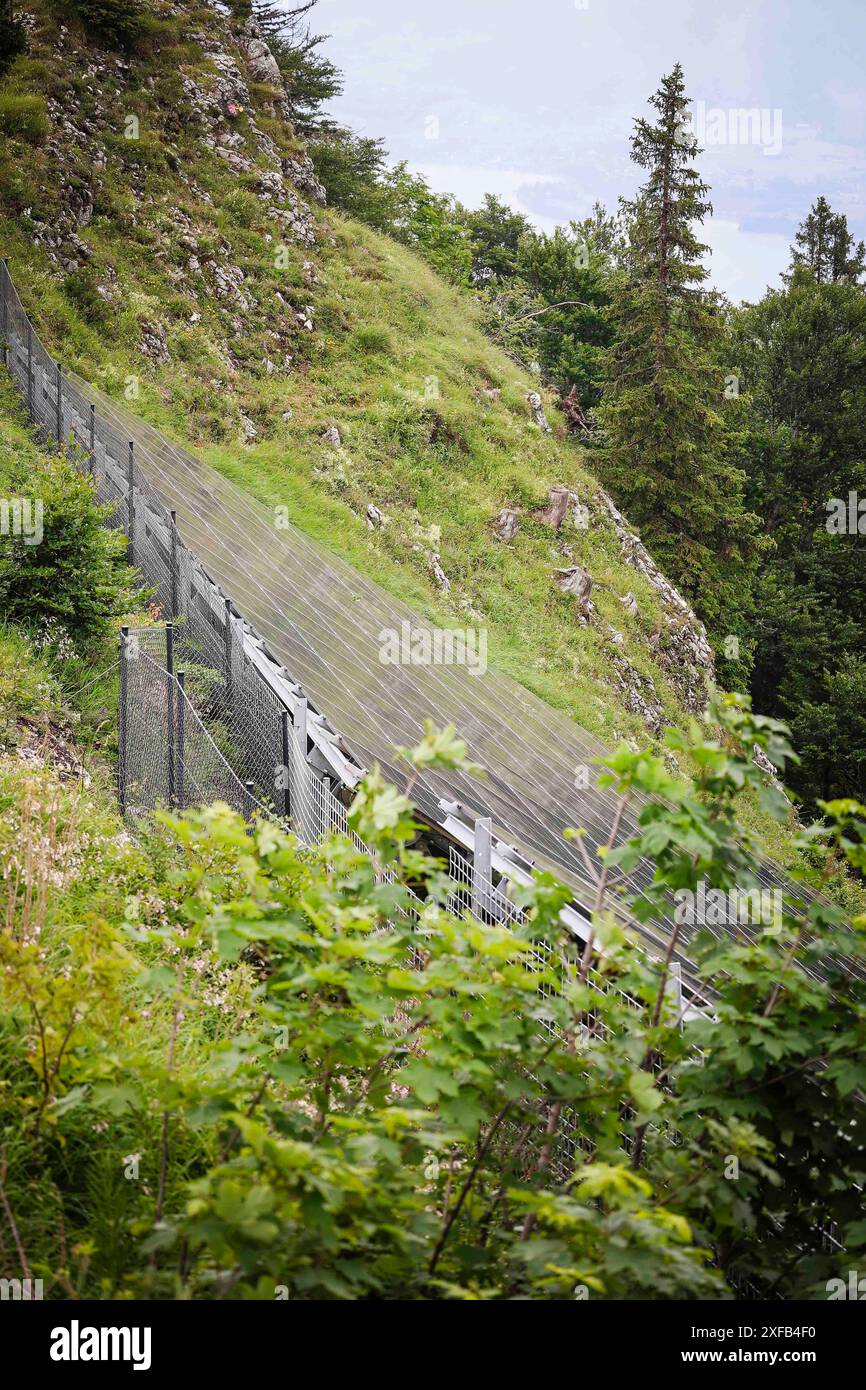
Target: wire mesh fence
<point>206,712</point>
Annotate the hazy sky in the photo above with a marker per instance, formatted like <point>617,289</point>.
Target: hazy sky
<point>534,102</point>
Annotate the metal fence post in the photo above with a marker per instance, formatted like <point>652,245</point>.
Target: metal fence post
<point>284,729</point>
<point>250,800</point>
<point>122,732</point>
<point>180,746</point>
<point>59,405</point>
<point>92,439</point>
<point>130,500</point>
<point>482,869</point>
<point>169,689</point>
<point>30,369</point>
<point>5,311</point>
<point>229,673</point>
<point>302,817</point>
<point>175,611</point>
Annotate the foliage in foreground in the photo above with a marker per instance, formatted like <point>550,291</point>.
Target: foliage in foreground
<point>258,1072</point>
<point>63,573</point>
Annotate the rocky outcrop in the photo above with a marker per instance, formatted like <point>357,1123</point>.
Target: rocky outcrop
<point>578,581</point>
<point>680,640</point>
<point>438,572</point>
<point>154,342</point>
<point>560,498</point>
<point>637,691</point>
<point>217,104</point>
<point>261,63</point>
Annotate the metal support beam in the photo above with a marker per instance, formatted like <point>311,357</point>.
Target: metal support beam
<point>286,754</point>
<point>130,499</point>
<point>482,867</point>
<point>5,295</point>
<point>180,744</point>
<point>92,460</point>
<point>175,611</point>
<point>122,733</point>
<point>229,665</point>
<point>170,713</point>
<point>59,386</point>
<point>302,809</point>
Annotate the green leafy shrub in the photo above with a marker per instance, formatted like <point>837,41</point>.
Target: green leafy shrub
<point>243,207</point>
<point>80,286</point>
<point>62,572</point>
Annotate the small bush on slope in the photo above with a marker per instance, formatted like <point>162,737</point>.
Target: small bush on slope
<point>64,573</point>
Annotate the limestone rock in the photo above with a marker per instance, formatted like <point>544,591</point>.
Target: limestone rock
<point>438,572</point>
<point>154,343</point>
<point>538,415</point>
<point>506,525</point>
<point>261,63</point>
<point>560,498</point>
<point>638,692</point>
<point>578,581</point>
<point>680,641</point>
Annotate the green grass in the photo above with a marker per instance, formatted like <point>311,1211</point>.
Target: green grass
<point>24,117</point>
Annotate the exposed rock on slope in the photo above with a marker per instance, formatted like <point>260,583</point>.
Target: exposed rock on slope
<point>681,642</point>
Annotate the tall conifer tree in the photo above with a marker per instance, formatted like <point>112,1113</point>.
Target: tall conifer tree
<point>826,247</point>
<point>670,463</point>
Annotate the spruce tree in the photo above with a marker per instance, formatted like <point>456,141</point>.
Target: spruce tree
<point>826,247</point>
<point>670,462</point>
